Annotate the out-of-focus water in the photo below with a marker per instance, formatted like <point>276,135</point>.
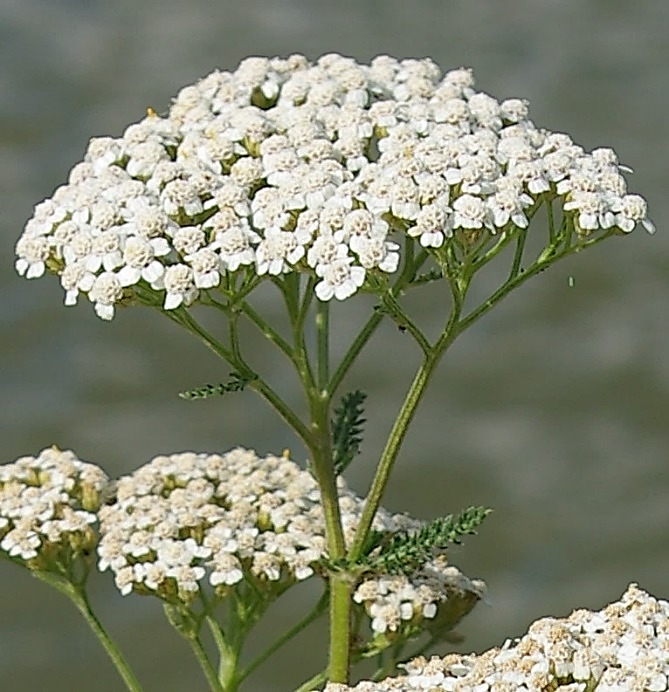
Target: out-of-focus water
<point>552,410</point>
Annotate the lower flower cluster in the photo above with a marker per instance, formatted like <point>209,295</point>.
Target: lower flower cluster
<point>48,504</point>
<point>222,518</point>
<point>621,648</point>
<point>396,603</point>
<point>188,520</point>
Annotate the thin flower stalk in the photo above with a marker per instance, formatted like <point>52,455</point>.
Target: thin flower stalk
<point>79,598</point>
<point>315,613</point>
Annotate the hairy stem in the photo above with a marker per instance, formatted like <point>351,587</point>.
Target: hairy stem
<point>340,629</point>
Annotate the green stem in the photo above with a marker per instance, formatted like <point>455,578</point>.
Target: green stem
<point>313,682</point>
<point>184,319</point>
<point>78,596</point>
<point>454,327</point>
<point>340,602</point>
<point>354,350</point>
<point>551,223</point>
<point>411,267</point>
<point>518,255</point>
<point>388,660</point>
<point>431,641</point>
<point>403,321</point>
<point>300,353</point>
<point>340,629</point>
<point>475,264</point>
<point>545,261</point>
<point>307,298</point>
<point>395,439</point>
<point>312,615</point>
<point>505,239</point>
<point>187,624</point>
<point>266,330</point>
<point>215,684</point>
<point>228,677</point>
<point>110,647</point>
<point>322,346</point>
<point>431,357</point>
<point>323,467</point>
<point>255,382</point>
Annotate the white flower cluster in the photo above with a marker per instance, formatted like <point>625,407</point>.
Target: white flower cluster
<point>48,503</point>
<point>392,601</point>
<point>182,516</point>
<point>188,518</point>
<point>620,648</point>
<point>285,166</point>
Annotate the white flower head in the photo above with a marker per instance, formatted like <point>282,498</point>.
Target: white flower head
<point>235,245</point>
<point>32,253</point>
<point>433,224</point>
<point>333,168</point>
<point>141,260</point>
<point>278,251</point>
<point>48,506</point>
<point>340,280</point>
<point>179,284</point>
<point>469,212</point>
<point>75,278</point>
<point>105,292</point>
<point>631,210</point>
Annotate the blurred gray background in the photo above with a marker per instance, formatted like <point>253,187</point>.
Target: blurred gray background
<point>552,410</point>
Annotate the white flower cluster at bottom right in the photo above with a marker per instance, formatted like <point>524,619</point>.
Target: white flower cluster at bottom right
<point>622,648</point>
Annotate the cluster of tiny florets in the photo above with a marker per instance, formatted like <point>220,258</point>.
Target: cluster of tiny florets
<point>185,520</point>
<point>284,166</point>
<point>185,516</point>
<point>188,519</point>
<point>48,504</point>
<point>622,647</point>
<point>394,602</point>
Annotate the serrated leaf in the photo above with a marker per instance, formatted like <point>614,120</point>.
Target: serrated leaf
<point>427,277</point>
<point>236,383</point>
<point>405,552</point>
<point>347,427</point>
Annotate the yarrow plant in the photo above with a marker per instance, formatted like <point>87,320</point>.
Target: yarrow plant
<point>325,180</point>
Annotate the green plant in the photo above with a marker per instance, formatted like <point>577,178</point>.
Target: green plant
<point>324,180</point>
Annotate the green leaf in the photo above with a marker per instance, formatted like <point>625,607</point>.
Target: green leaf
<point>427,277</point>
<point>347,427</point>
<point>236,383</point>
<point>405,552</point>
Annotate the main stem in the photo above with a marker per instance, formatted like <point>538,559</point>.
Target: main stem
<point>323,467</point>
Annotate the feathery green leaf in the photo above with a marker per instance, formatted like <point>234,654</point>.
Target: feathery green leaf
<point>427,277</point>
<point>405,552</point>
<point>236,383</point>
<point>347,430</point>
